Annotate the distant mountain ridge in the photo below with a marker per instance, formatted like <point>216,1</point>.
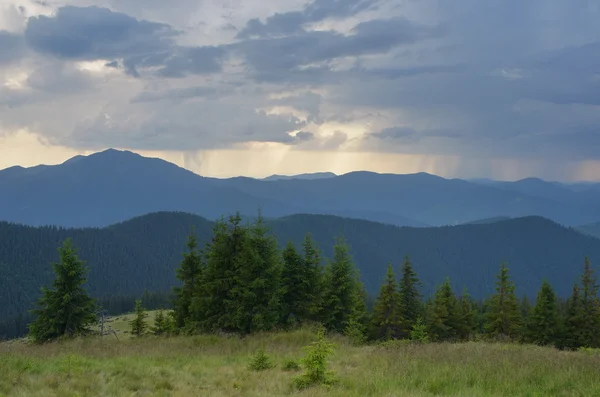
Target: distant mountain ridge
<point>315,175</point>
<point>112,186</point>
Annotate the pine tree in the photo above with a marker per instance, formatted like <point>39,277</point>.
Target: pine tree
<point>543,323</point>
<point>341,289</point>
<point>444,313</point>
<point>189,272</point>
<point>410,298</point>
<point>468,316</point>
<point>386,322</point>
<point>213,302</point>
<point>67,309</point>
<point>299,287</point>
<point>590,306</point>
<point>314,275</point>
<point>572,336</point>
<point>162,324</point>
<point>256,299</point>
<point>138,324</point>
<point>503,317</point>
<point>525,307</point>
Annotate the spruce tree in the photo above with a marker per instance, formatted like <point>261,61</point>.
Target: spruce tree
<point>189,272</point>
<point>256,298</point>
<point>314,275</point>
<point>297,287</point>
<point>468,316</point>
<point>444,313</point>
<point>213,306</point>
<point>525,307</point>
<point>590,305</point>
<point>138,324</point>
<point>572,335</point>
<point>162,323</point>
<point>341,290</point>
<point>410,298</point>
<point>387,320</point>
<point>503,316</point>
<point>543,322</point>
<point>66,310</point>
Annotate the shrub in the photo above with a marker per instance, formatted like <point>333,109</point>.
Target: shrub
<point>315,364</point>
<point>260,361</point>
<point>291,365</point>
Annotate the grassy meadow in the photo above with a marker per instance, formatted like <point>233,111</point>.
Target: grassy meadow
<point>218,366</point>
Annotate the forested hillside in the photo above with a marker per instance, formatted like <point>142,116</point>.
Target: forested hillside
<point>142,254</point>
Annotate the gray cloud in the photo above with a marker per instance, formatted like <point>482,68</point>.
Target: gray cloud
<point>181,94</point>
<point>92,33</point>
<point>58,78</point>
<point>276,59</point>
<point>12,47</point>
<point>291,23</point>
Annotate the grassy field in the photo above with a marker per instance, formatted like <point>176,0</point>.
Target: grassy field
<point>217,366</point>
<point>120,323</point>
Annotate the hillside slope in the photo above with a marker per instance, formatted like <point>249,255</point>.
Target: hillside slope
<point>143,253</point>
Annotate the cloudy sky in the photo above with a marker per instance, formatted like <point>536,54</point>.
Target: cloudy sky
<point>460,88</point>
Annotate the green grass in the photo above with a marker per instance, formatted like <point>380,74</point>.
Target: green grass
<point>218,366</point>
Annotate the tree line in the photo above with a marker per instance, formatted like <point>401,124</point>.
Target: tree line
<point>241,282</point>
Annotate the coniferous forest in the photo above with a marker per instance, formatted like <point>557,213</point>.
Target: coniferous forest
<point>240,282</point>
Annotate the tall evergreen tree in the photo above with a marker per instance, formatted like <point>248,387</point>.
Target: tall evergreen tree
<point>314,275</point>
<point>189,272</point>
<point>525,307</point>
<point>387,320</point>
<point>138,323</point>
<point>503,316</point>
<point>468,316</point>
<point>213,301</point>
<point>444,314</point>
<point>543,322</point>
<point>297,281</point>
<point>341,290</point>
<point>410,297</point>
<point>256,299</point>
<point>572,335</point>
<point>590,304</point>
<point>67,309</point>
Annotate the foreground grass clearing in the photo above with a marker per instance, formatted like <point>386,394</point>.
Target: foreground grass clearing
<point>217,366</point>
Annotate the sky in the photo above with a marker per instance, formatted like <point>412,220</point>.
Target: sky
<point>502,89</point>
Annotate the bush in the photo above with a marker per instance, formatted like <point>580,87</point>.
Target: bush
<point>260,361</point>
<point>291,365</point>
<point>355,332</point>
<point>419,331</point>
<point>315,364</point>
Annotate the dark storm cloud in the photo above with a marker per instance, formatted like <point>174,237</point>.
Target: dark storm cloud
<point>275,58</point>
<point>12,47</point>
<point>91,33</point>
<point>290,23</point>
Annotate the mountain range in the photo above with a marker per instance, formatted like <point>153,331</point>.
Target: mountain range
<point>112,186</point>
